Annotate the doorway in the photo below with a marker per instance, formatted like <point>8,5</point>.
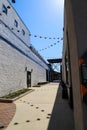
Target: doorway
<point>28,79</point>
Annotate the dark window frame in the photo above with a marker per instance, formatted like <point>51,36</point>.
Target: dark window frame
<point>23,32</point>
<point>15,23</point>
<point>4,9</point>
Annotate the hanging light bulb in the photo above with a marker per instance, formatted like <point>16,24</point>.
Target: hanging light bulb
<point>35,36</point>
<point>13,1</point>
<point>8,7</point>
<point>29,34</point>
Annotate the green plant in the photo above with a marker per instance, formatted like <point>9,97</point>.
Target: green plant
<point>15,94</point>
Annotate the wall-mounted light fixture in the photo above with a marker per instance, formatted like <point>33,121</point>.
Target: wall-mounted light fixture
<point>25,68</point>
<point>31,70</point>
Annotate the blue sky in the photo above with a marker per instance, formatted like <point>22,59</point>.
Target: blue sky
<point>43,18</point>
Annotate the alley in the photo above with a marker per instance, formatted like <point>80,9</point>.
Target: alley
<point>40,110</point>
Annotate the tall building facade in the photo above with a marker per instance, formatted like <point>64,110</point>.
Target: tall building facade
<point>74,63</point>
<point>20,64</point>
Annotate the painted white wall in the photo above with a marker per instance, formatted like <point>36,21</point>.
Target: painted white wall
<point>13,50</point>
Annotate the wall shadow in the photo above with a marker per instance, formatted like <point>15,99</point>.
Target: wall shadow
<point>62,116</point>
<point>85,115</point>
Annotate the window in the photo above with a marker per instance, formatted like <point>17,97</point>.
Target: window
<point>4,9</point>
<point>15,23</point>
<point>23,32</point>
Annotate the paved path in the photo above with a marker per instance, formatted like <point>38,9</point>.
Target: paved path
<point>43,109</point>
<point>7,111</point>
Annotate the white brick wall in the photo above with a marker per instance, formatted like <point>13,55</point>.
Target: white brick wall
<point>9,20</point>
<point>13,59</point>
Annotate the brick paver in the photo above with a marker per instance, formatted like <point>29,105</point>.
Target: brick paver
<point>7,111</point>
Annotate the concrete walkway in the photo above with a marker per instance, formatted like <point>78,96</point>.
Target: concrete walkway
<point>43,109</point>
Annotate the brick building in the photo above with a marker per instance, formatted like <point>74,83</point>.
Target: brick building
<point>20,64</point>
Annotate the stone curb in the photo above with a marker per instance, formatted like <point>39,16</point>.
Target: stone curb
<point>23,94</point>
<point>4,100</point>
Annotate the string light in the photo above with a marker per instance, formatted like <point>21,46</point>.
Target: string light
<point>51,45</point>
<point>35,36</point>
<point>44,37</point>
